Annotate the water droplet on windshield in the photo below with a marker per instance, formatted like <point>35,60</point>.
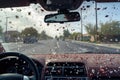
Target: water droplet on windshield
<point>93,71</point>
<point>88,6</point>
<point>19,10</point>
<point>29,13</point>
<point>57,29</point>
<point>107,16</point>
<point>48,24</point>
<point>42,10</point>
<point>104,8</point>
<point>17,16</point>
<point>12,9</point>
<point>110,72</point>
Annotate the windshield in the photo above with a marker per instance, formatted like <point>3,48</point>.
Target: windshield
<point>22,29</point>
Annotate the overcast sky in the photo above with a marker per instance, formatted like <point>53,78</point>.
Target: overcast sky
<point>33,16</point>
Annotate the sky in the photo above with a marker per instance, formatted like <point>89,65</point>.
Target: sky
<point>33,16</point>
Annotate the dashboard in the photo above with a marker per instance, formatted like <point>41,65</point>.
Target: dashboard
<point>67,66</point>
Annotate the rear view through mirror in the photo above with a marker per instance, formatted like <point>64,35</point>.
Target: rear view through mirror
<point>62,17</point>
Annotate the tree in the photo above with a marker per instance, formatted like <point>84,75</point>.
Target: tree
<point>91,30</point>
<point>110,28</point>
<point>1,30</point>
<point>44,36</point>
<point>110,31</point>
<point>15,34</point>
<point>56,37</point>
<point>29,32</point>
<point>75,36</point>
<point>66,33</point>
<point>61,37</point>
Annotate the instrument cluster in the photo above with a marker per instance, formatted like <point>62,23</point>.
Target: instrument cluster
<point>17,65</point>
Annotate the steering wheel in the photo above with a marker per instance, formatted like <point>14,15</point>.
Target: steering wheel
<point>14,76</point>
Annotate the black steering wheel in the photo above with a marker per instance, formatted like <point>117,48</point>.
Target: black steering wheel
<point>14,76</point>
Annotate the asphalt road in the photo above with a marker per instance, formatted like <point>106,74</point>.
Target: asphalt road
<point>57,47</point>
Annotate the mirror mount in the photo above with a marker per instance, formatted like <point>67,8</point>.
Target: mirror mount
<point>54,5</point>
<point>63,11</point>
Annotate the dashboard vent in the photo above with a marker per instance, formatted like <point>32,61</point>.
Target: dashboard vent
<point>65,71</point>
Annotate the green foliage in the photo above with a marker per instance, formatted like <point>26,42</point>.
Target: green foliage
<point>91,29</point>
<point>1,30</point>
<point>110,28</point>
<point>66,33</point>
<point>44,36</point>
<point>75,35</point>
<point>61,37</point>
<point>15,34</point>
<point>109,31</point>
<point>30,32</point>
<point>56,37</point>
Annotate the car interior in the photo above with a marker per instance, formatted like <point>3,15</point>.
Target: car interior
<point>68,66</point>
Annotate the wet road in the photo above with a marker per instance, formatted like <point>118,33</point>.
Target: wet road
<point>56,47</point>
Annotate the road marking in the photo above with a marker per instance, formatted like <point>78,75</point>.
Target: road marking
<point>67,44</point>
<point>53,51</point>
<point>58,45</point>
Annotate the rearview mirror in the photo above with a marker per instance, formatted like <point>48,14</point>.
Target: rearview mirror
<point>62,17</point>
